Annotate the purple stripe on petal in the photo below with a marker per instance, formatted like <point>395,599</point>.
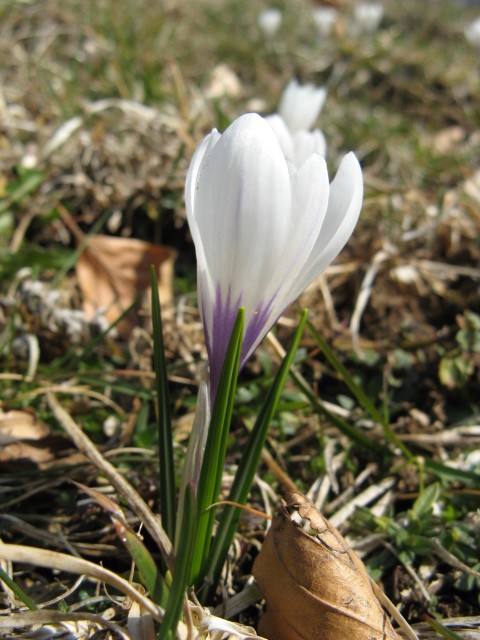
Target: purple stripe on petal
<point>224,316</point>
<point>256,327</point>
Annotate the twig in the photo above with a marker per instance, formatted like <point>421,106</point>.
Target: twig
<point>364,296</point>
<point>411,572</point>
<point>453,561</point>
<point>394,612</point>
<point>278,471</point>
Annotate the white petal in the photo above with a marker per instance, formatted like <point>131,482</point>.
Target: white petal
<point>192,176</point>
<point>269,21</point>
<point>242,207</point>
<point>368,15</point>
<point>344,205</point>
<point>284,136</point>
<point>310,190</point>
<point>205,286</point>
<point>310,199</point>
<point>324,19</point>
<point>306,143</point>
<point>262,228</point>
<point>300,105</point>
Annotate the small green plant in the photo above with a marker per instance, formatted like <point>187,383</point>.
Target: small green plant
<point>436,520</point>
<point>458,366</point>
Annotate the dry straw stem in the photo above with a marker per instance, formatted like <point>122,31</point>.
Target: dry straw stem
<point>79,389</point>
<point>124,488</point>
<point>364,295</point>
<point>36,618</point>
<point>71,564</point>
<point>315,585</point>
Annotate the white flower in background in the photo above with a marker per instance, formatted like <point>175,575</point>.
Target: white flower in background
<point>263,230</point>
<point>472,32</point>
<point>368,16</point>
<point>298,110</point>
<point>269,21</point>
<point>324,19</point>
<point>300,105</point>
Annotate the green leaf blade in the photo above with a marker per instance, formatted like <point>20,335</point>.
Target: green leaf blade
<point>215,448</point>
<point>164,419</point>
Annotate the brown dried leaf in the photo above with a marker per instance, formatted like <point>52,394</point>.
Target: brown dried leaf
<point>314,584</point>
<point>21,425</point>
<point>25,439</point>
<point>112,272</point>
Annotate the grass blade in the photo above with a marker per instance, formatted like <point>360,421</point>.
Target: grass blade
<point>123,487</point>
<point>164,419</point>
<point>181,572</point>
<point>150,575</point>
<point>359,394</point>
<point>28,182</point>
<point>18,591</point>
<point>442,631</point>
<point>73,357</point>
<point>451,473</point>
<point>343,426</point>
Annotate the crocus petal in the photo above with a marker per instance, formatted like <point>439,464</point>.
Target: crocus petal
<point>269,21</point>
<point>243,185</point>
<point>344,204</point>
<point>192,176</point>
<point>306,143</point>
<point>310,196</point>
<point>324,19</point>
<point>300,105</point>
<point>472,32</point>
<point>299,147</point>
<point>368,16</point>
<point>284,136</point>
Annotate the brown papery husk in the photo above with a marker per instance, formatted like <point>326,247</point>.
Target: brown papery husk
<point>315,586</point>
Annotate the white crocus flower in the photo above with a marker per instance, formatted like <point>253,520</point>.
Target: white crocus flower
<point>472,32</point>
<point>324,19</point>
<point>368,16</point>
<point>300,105</point>
<point>263,231</point>
<point>269,21</point>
